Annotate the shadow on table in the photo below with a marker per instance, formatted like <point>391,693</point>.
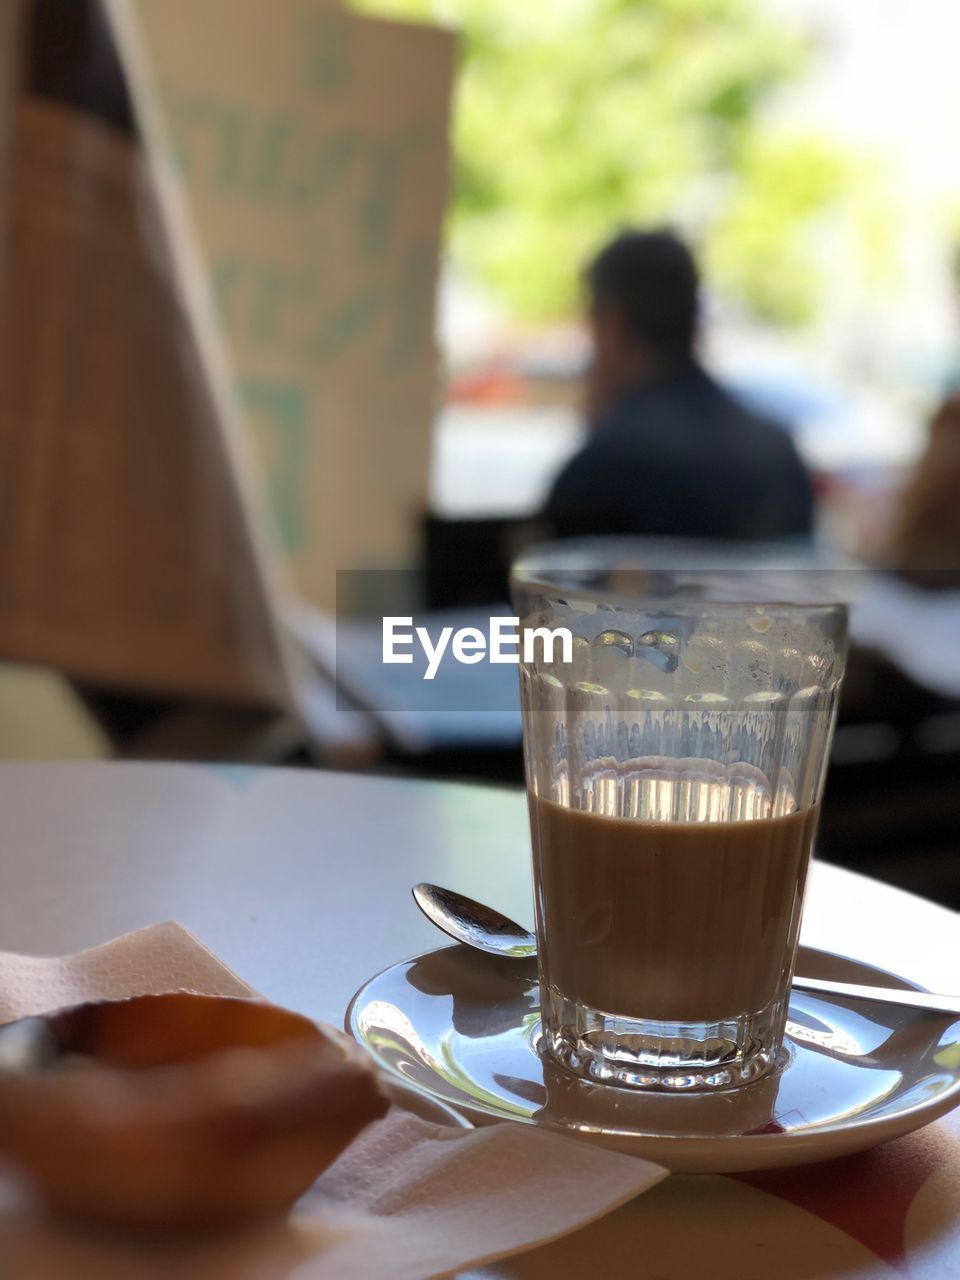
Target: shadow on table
<point>886,1212</point>
<point>901,1200</point>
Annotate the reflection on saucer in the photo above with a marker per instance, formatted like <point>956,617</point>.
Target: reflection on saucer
<point>464,1028</point>
<point>489,995</point>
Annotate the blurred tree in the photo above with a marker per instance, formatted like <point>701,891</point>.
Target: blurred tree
<point>576,117</point>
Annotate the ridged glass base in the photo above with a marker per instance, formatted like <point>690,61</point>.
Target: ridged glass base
<point>643,1054</point>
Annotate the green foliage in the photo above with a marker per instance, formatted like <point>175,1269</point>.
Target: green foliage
<point>577,117</point>
<point>755,248</point>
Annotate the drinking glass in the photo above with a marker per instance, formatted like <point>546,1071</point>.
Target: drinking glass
<point>675,766</point>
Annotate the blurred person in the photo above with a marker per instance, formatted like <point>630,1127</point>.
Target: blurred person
<point>671,453</point>
<point>925,544</point>
<point>925,541</point>
<point>952,382</point>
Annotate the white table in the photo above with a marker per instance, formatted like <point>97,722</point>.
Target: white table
<point>300,881</point>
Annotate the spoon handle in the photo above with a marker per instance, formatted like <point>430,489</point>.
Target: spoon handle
<point>888,995</point>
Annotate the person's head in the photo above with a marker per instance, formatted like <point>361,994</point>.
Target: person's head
<point>644,303</point>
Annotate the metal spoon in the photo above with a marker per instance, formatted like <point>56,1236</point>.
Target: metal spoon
<point>479,926</point>
<point>484,929</point>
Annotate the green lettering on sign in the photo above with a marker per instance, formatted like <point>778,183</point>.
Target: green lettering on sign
<point>327,64</point>
<point>279,412</point>
<point>346,324</point>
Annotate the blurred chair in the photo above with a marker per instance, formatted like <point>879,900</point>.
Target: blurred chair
<point>467,561</point>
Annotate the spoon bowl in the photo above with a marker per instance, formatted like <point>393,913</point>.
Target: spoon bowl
<point>474,923</point>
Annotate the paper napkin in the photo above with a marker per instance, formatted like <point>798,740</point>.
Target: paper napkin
<point>408,1200</point>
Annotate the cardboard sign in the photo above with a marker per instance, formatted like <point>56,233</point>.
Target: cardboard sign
<point>161,464</point>
<point>310,149</point>
<point>11,25</point>
<point>125,552</point>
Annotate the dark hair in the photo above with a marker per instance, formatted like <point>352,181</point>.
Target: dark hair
<point>651,278</point>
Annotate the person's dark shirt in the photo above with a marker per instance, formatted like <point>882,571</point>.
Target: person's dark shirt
<point>680,457</point>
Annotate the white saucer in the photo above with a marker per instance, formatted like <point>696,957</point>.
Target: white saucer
<point>421,1104</point>
<point>463,1028</point>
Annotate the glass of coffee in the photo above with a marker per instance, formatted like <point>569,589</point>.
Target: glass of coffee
<point>676,742</point>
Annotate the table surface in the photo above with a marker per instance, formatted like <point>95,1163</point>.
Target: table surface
<point>300,881</point>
